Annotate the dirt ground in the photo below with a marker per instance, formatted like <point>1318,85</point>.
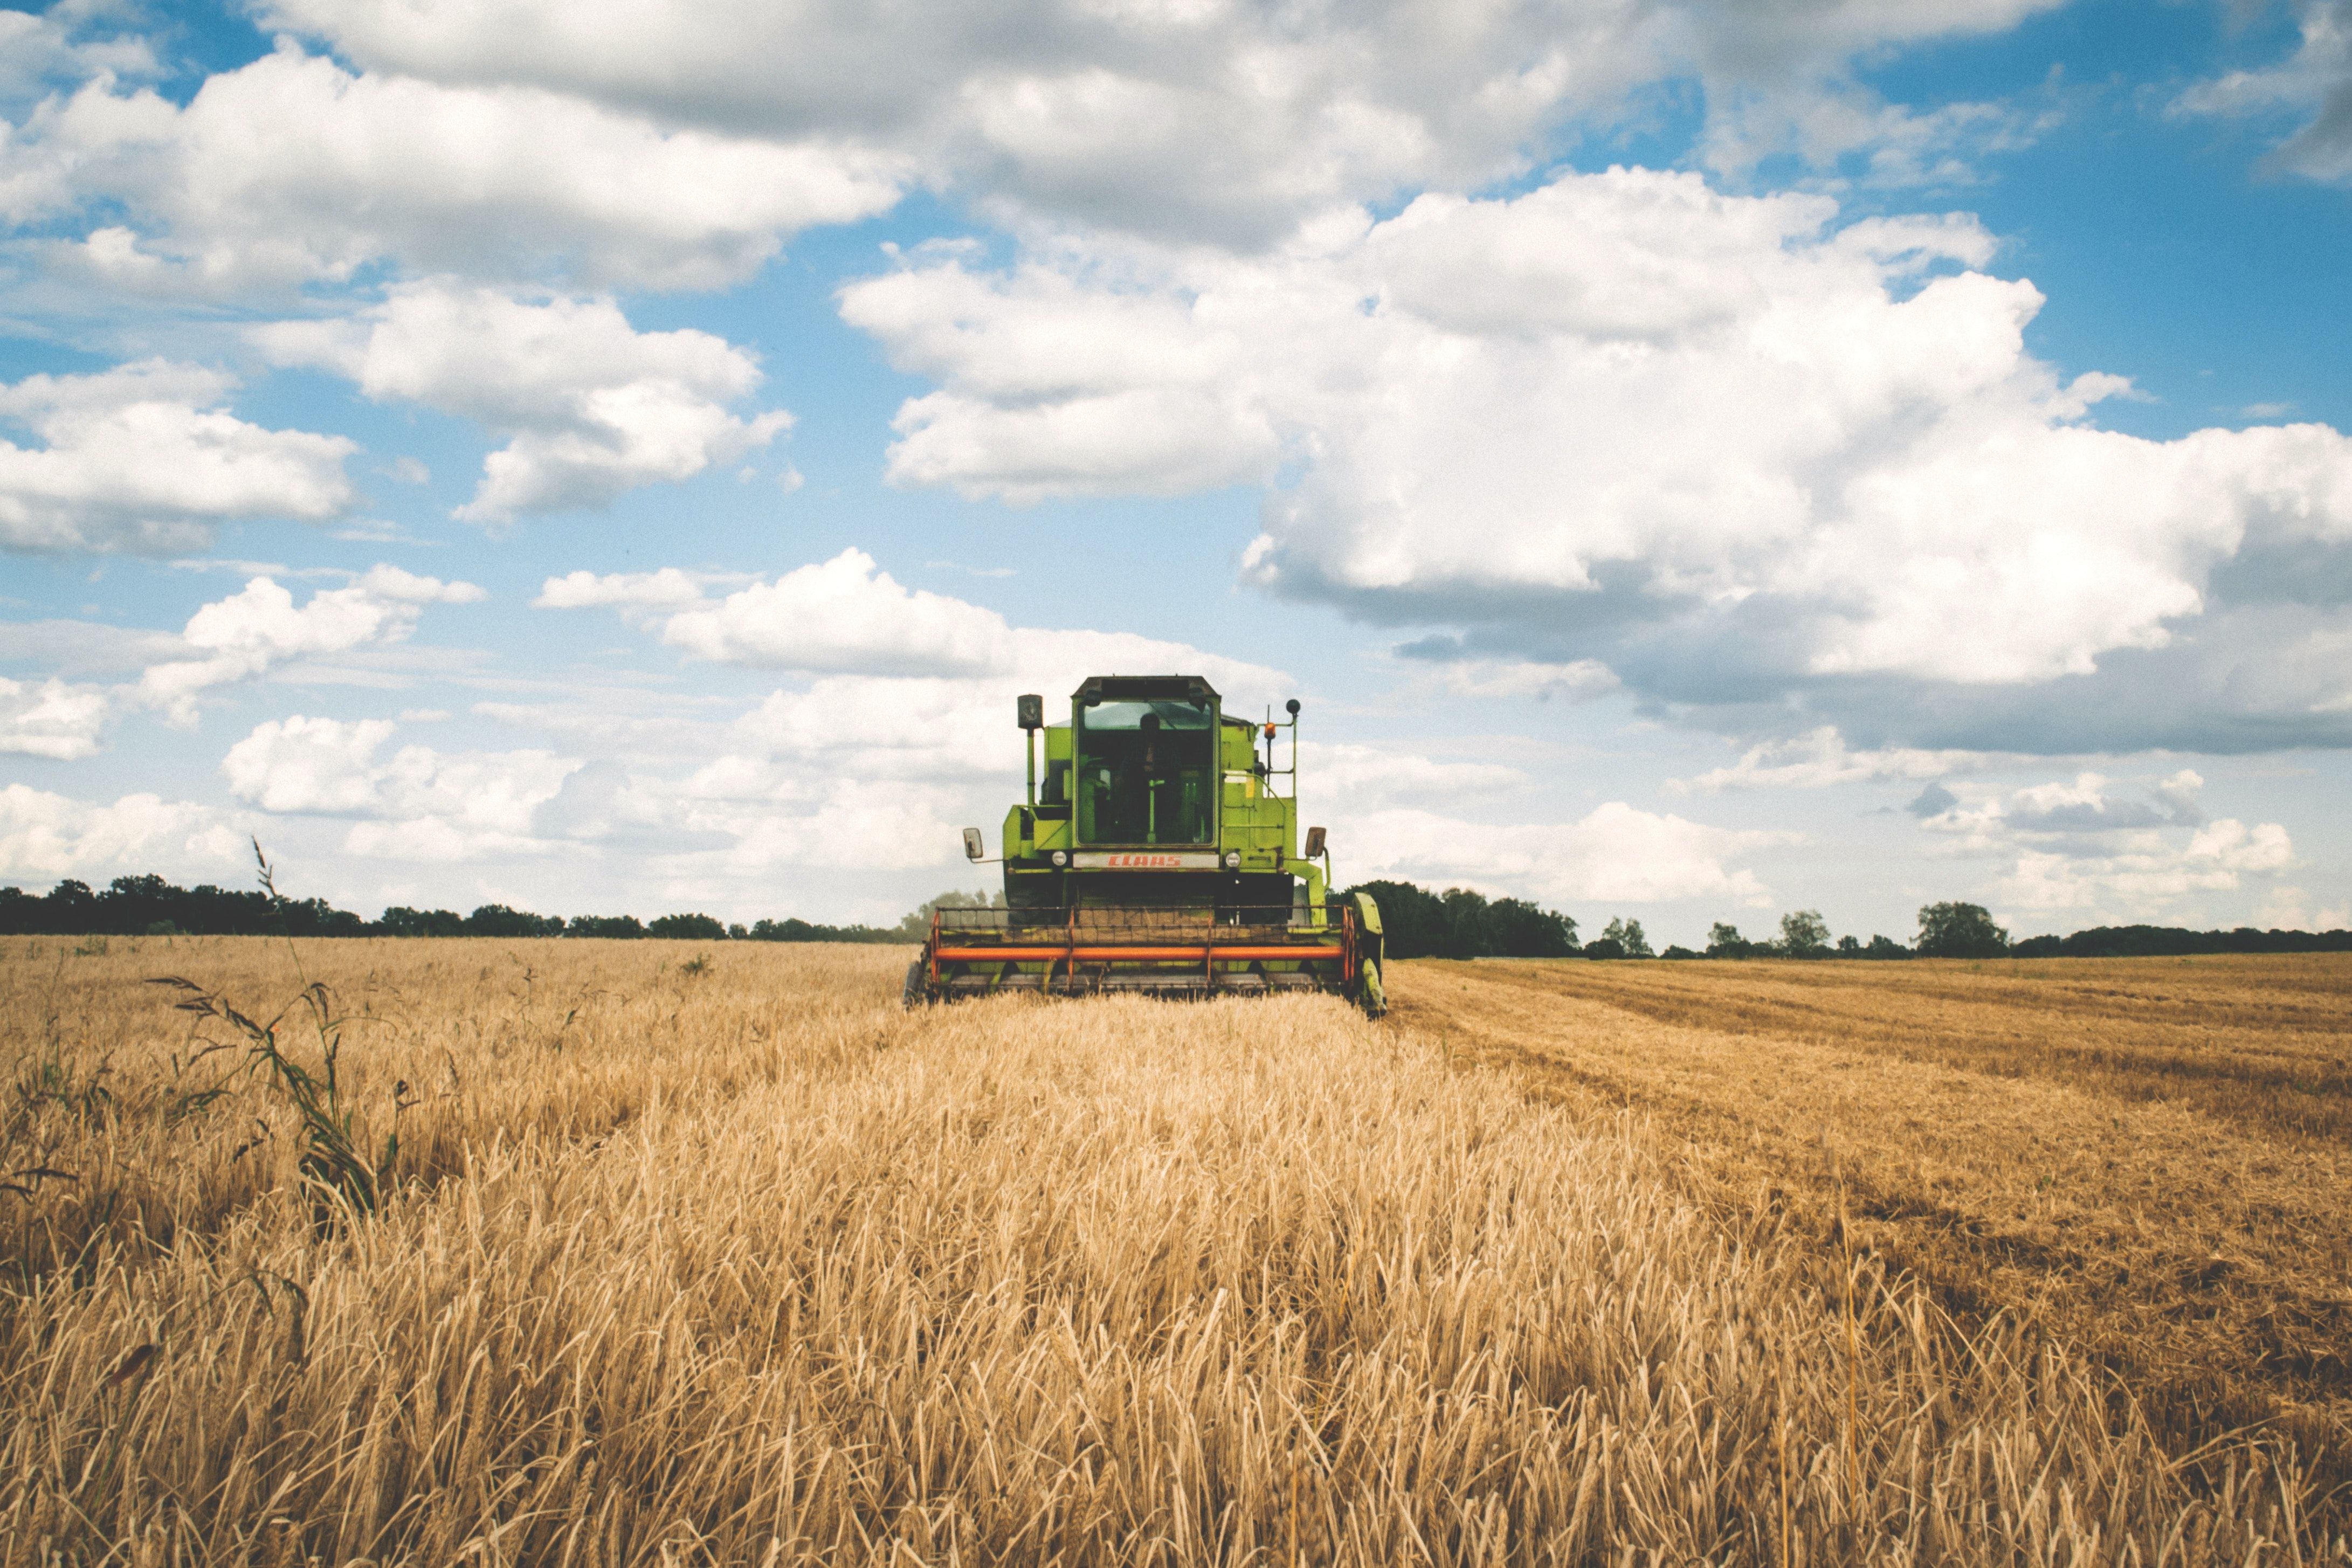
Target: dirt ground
<point>2147,1157</point>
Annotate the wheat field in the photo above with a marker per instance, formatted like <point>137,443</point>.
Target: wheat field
<point>650,1254</point>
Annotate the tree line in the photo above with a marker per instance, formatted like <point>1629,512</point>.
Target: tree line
<point>149,906</point>
<point>1418,923</point>
<point>1460,924</point>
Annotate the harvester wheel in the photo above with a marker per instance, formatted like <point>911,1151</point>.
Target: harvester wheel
<point>915,992</point>
<point>1375,1001</point>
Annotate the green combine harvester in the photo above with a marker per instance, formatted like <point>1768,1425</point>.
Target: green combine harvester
<point>1160,856</point>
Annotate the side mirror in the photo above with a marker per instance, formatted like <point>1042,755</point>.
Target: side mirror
<point>974,850</point>
<point>1314,844</point>
<point>1032,712</point>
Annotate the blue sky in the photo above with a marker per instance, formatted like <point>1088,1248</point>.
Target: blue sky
<point>1693,461</point>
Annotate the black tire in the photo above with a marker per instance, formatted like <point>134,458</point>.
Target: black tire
<point>915,992</point>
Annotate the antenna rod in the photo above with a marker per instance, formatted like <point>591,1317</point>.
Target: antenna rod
<point>1293,706</point>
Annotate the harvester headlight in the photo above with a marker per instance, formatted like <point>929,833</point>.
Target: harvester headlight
<point>1233,860</point>
<point>1061,858</point>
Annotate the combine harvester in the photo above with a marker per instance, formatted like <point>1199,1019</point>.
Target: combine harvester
<point>1160,857</point>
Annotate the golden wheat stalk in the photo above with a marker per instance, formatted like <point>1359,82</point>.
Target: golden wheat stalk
<point>745,1265</point>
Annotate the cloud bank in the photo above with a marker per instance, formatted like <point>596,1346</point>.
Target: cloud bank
<point>590,406</point>
<point>146,458</point>
<point>260,627</point>
<point>1723,447</point>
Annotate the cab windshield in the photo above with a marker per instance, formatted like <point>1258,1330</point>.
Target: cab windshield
<point>1146,772</point>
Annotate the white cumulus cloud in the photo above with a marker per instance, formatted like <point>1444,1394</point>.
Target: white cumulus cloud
<point>1578,680</point>
<point>904,727</point>
<point>846,824</point>
<point>895,726</point>
<point>418,804</point>
<point>590,406</point>
<point>844,614</point>
<point>2313,87</point>
<point>69,42</point>
<point>2087,851</point>
<point>493,181</point>
<point>302,764</point>
<point>45,835</point>
<point>260,627</point>
<point>1355,779</point>
<point>2143,878</point>
<point>146,457</point>
<point>52,719</point>
<point>1821,758</point>
<point>1704,440</point>
<point>1617,852</point>
<point>1216,122</point>
<point>667,589</point>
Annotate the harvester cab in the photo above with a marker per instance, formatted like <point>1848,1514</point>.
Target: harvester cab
<point>1159,853</point>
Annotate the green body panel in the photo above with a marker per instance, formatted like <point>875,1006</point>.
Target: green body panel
<point>1249,820</point>
<point>1196,885</point>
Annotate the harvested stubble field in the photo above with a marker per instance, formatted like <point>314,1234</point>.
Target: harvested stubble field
<point>714,1255</point>
<point>2150,1157</point>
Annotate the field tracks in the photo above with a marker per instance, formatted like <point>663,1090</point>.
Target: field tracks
<point>2150,1157</point>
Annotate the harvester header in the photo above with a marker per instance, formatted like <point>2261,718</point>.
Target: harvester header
<point>1159,852</point>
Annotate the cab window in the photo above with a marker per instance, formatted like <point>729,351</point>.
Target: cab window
<point>1146,772</point>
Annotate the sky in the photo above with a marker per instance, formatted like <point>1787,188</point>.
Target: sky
<point>1693,460</point>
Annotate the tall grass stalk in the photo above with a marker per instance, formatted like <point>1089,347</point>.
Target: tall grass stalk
<point>334,1161</point>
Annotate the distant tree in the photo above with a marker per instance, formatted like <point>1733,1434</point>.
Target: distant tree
<point>1605,947</point>
<point>402,921</point>
<point>1517,929</point>
<point>136,903</point>
<point>1412,919</point>
<point>795,929</point>
<point>497,920</point>
<point>1677,950</point>
<point>211,911</point>
<point>1467,931</point>
<point>738,932</point>
<point>317,917</point>
<point>688,928</point>
<point>70,898</point>
<point>20,911</point>
<point>917,924</point>
<point>623,926</point>
<point>1417,923</point>
<point>1461,924</point>
<point>1804,935</point>
<point>1961,931</point>
<point>2168,941</point>
<point>132,905</point>
<point>1849,946</point>
<point>1629,938</point>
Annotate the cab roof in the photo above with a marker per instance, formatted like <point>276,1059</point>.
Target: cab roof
<point>1146,688</point>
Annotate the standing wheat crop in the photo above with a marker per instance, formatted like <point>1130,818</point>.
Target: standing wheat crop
<point>745,1265</point>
